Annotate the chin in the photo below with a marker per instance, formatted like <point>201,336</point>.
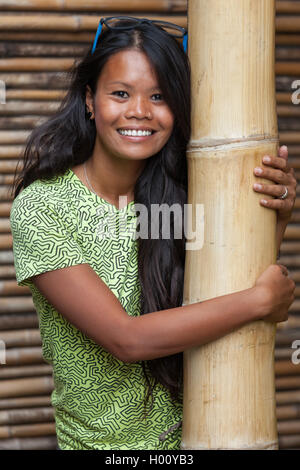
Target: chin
<point>136,156</point>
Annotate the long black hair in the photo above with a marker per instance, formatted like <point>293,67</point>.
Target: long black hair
<point>68,138</point>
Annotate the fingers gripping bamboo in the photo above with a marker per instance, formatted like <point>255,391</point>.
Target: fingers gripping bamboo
<point>229,389</point>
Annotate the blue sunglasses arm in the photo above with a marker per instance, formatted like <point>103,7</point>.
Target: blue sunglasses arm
<point>185,38</point>
<point>185,41</point>
<point>97,36</point>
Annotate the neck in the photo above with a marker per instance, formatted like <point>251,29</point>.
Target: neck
<point>111,179</point>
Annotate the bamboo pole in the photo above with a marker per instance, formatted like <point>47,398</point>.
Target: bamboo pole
<point>290,247</point>
<point>24,387</point>
<point>288,6</point>
<point>13,137</point>
<point>294,319</point>
<point>28,402</point>
<point>289,442</point>
<point>292,261</point>
<point>289,137</point>
<point>41,429</point>
<point>28,443</point>
<point>26,416</point>
<point>287,53</point>
<point>4,227</point>
<point>28,107</point>
<point>42,50</point>
<point>21,122</point>
<point>288,68</point>
<point>6,257</point>
<point>282,97</point>
<point>286,337</point>
<point>4,196</point>
<point>287,368</point>
<point>229,390</point>
<point>287,111</point>
<point>21,304</point>
<point>4,209</point>
<point>17,356</point>
<point>34,64</point>
<point>122,5</point>
<point>288,397</point>
<point>47,80</point>
<point>6,179</point>
<point>284,383</point>
<point>20,320</point>
<point>10,151</point>
<point>296,215</point>
<point>48,95</point>
<point>21,337</point>
<point>283,353</point>
<point>25,371</point>
<point>284,83</point>
<point>288,412</point>
<point>287,24</point>
<point>5,240</point>
<point>289,427</point>
<point>38,37</point>
<point>7,271</point>
<point>94,5</point>
<point>290,39</point>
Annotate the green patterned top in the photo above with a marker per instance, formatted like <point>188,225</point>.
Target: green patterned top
<point>98,399</point>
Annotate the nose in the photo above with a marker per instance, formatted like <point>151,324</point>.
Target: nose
<point>139,107</point>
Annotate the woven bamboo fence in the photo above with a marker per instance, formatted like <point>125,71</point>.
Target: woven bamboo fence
<point>39,41</point>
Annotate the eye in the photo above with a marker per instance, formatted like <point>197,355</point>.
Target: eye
<point>120,92</point>
<point>159,95</point>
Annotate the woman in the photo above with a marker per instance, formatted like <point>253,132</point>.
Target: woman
<point>109,304</point>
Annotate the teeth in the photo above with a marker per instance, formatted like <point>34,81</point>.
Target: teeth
<point>134,132</point>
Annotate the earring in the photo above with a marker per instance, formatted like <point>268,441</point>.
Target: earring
<point>88,113</point>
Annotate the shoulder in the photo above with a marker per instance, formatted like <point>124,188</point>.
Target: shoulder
<point>41,196</point>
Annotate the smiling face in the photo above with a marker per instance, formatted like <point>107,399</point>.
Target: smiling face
<point>132,119</point>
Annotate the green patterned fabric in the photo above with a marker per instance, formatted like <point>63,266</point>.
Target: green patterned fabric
<point>98,399</point>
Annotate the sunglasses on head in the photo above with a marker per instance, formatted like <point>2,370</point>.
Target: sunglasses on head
<point>111,22</point>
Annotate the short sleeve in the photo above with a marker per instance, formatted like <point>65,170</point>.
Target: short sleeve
<point>41,239</point>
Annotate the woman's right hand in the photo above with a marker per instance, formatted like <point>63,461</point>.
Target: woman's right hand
<point>276,293</point>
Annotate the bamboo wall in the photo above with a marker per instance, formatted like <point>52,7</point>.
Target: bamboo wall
<point>39,40</point>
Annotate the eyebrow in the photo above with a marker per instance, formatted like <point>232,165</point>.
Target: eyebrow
<point>129,86</point>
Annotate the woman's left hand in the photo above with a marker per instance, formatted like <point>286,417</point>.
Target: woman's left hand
<point>278,171</point>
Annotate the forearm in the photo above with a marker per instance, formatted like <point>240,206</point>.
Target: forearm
<point>280,230</point>
<point>167,332</point>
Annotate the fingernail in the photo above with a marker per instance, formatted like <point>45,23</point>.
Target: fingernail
<point>258,170</point>
<point>266,159</point>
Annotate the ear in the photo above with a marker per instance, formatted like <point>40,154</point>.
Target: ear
<point>89,100</point>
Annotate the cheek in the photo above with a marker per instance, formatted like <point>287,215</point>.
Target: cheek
<point>167,120</point>
<point>106,114</point>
